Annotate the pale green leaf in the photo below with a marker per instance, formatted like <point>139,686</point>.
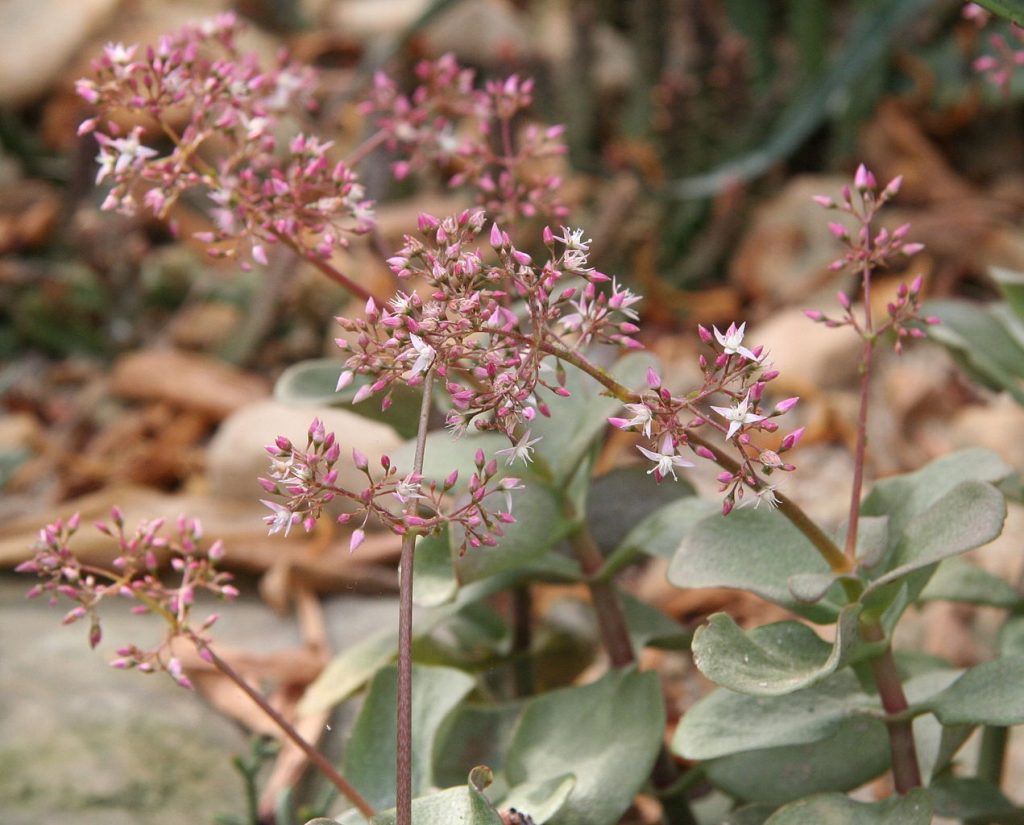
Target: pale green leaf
<point>455,806</point>
<point>541,800</point>
<point>959,580</point>
<point>660,533</point>
<point>755,550</point>
<point>774,659</point>
<point>369,762</point>
<point>476,734</point>
<point>648,626</point>
<point>607,733</point>
<point>433,579</point>
<point>1010,9</point>
<point>725,722</point>
<point>540,524</point>
<point>578,420</point>
<point>968,516</point>
<point>349,671</point>
<point>855,753</point>
<point>970,798</point>
<point>834,809</point>
<point>988,694</point>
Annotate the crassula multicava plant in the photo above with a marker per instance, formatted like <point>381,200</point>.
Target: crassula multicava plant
<point>495,318</point>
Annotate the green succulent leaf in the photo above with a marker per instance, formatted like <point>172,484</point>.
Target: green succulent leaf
<point>433,580</point>
<point>313,382</point>
<point>540,526</point>
<point>584,729</point>
<point>989,694</point>
<point>775,659</point>
<point>958,580</point>
<point>445,453</point>
<point>755,550</point>
<point>476,734</point>
<point>725,722</point>
<point>856,752</point>
<point>349,671</point>
<point>464,805</point>
<point>1011,637</point>
<point>541,800</point>
<point>968,516</point>
<point>648,626</point>
<point>835,809</point>
<point>577,420</point>
<point>369,762</point>
<point>661,532</point>
<point>973,799</point>
<point>903,497</point>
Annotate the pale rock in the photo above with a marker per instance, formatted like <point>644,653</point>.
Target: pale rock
<point>236,456</point>
<point>484,33</point>
<point>997,425</point>
<point>810,357</point>
<point>784,256</point>
<point>38,38</point>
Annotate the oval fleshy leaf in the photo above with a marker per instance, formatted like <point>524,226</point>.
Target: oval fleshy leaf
<point>774,659</point>
<point>314,382</point>
<point>540,800</point>
<point>464,805</point>
<point>660,533</point>
<point>903,497</point>
<point>989,694</point>
<point>972,799</point>
<point>585,728</point>
<point>753,550</point>
<point>349,671</point>
<point>959,580</point>
<point>369,762</point>
<point>855,753</point>
<point>433,579</point>
<point>835,809</point>
<point>725,722</point>
<point>968,516</point>
<point>542,526</point>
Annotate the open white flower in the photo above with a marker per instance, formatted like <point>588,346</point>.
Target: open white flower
<point>732,341</point>
<point>665,460</point>
<point>521,449</point>
<point>281,519</point>
<point>424,354</point>
<point>642,418</point>
<point>738,416</point>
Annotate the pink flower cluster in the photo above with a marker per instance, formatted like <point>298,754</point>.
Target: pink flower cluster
<point>220,116</point>
<point>133,574</point>
<point>868,251</point>
<point>1000,66</point>
<point>467,133</point>
<point>740,375</point>
<point>488,323</point>
<point>305,480</point>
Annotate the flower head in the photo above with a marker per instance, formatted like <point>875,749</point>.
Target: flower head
<point>732,341</point>
<point>521,449</point>
<point>665,460</point>
<point>738,416</point>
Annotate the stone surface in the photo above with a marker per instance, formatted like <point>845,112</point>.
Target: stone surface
<point>38,38</point>
<point>84,744</point>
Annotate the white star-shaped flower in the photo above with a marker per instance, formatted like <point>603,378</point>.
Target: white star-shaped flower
<point>424,354</point>
<point>282,518</point>
<point>732,341</point>
<point>665,460</point>
<point>738,416</point>
<point>521,449</point>
<point>642,418</point>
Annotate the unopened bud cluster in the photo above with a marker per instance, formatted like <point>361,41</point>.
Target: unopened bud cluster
<point>868,251</point>
<point>305,480</point>
<point>487,323</point>
<point>134,574</point>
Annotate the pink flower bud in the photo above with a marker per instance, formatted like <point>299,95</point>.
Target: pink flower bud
<point>358,536</point>
<point>362,393</point>
<point>704,333</point>
<point>495,236</point>
<point>359,459</point>
<point>839,231</point>
<point>787,404</point>
<point>548,236</point>
<point>912,248</point>
<point>862,178</point>
<point>813,314</point>
<point>824,201</point>
<point>727,506</point>
<point>704,452</point>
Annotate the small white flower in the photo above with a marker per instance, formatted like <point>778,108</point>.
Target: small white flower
<point>665,460</point>
<point>282,518</point>
<point>521,449</point>
<point>738,416</point>
<point>118,154</point>
<point>642,418</point>
<point>732,341</point>
<point>766,495</point>
<point>406,489</point>
<point>573,239</point>
<point>424,352</point>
